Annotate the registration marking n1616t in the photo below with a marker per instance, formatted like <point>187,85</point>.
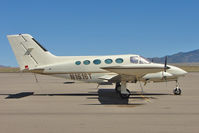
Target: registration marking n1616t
<point>80,76</point>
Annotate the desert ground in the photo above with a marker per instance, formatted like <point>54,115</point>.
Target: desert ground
<point>53,105</point>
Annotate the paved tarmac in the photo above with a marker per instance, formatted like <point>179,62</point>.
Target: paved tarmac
<point>52,106</point>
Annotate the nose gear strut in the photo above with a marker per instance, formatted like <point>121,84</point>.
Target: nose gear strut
<point>177,90</point>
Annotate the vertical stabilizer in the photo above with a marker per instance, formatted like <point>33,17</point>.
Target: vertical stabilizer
<point>29,53</point>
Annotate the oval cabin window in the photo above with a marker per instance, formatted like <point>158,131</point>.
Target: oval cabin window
<point>108,61</point>
<point>119,60</point>
<point>97,62</point>
<point>87,62</point>
<point>77,62</point>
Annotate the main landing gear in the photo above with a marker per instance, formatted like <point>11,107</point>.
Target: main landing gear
<point>122,90</point>
<point>177,90</point>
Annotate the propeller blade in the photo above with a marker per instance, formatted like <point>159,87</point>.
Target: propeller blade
<point>165,64</point>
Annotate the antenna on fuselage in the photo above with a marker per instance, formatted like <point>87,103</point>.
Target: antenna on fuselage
<point>36,80</point>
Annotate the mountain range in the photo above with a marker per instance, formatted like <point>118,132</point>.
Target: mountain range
<point>2,66</point>
<point>181,57</point>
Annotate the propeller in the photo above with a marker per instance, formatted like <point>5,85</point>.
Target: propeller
<point>165,64</point>
<point>165,69</point>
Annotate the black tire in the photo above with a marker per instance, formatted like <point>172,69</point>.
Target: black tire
<point>125,96</point>
<point>118,89</point>
<point>177,91</point>
<point>128,91</point>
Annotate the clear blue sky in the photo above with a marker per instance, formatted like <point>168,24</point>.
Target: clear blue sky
<point>100,27</point>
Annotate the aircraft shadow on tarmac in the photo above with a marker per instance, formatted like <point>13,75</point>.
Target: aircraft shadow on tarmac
<point>110,97</point>
<point>18,95</point>
<point>104,96</point>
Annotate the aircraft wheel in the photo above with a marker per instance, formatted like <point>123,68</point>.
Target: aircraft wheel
<point>125,96</point>
<point>118,88</point>
<point>177,91</point>
<point>128,91</point>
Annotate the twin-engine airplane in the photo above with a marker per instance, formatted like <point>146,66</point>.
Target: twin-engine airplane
<point>118,69</point>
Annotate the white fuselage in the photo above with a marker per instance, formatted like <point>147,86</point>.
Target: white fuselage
<point>68,69</point>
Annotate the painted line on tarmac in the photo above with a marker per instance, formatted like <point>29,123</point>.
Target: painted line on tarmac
<point>146,99</point>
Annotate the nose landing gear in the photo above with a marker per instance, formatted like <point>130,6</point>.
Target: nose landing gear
<point>177,90</point>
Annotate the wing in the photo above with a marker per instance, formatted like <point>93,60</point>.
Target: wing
<point>137,70</point>
<point>117,78</point>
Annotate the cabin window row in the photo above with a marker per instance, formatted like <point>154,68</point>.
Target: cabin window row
<point>98,61</point>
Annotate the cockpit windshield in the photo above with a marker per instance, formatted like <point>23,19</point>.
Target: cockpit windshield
<point>134,59</point>
<point>139,60</point>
